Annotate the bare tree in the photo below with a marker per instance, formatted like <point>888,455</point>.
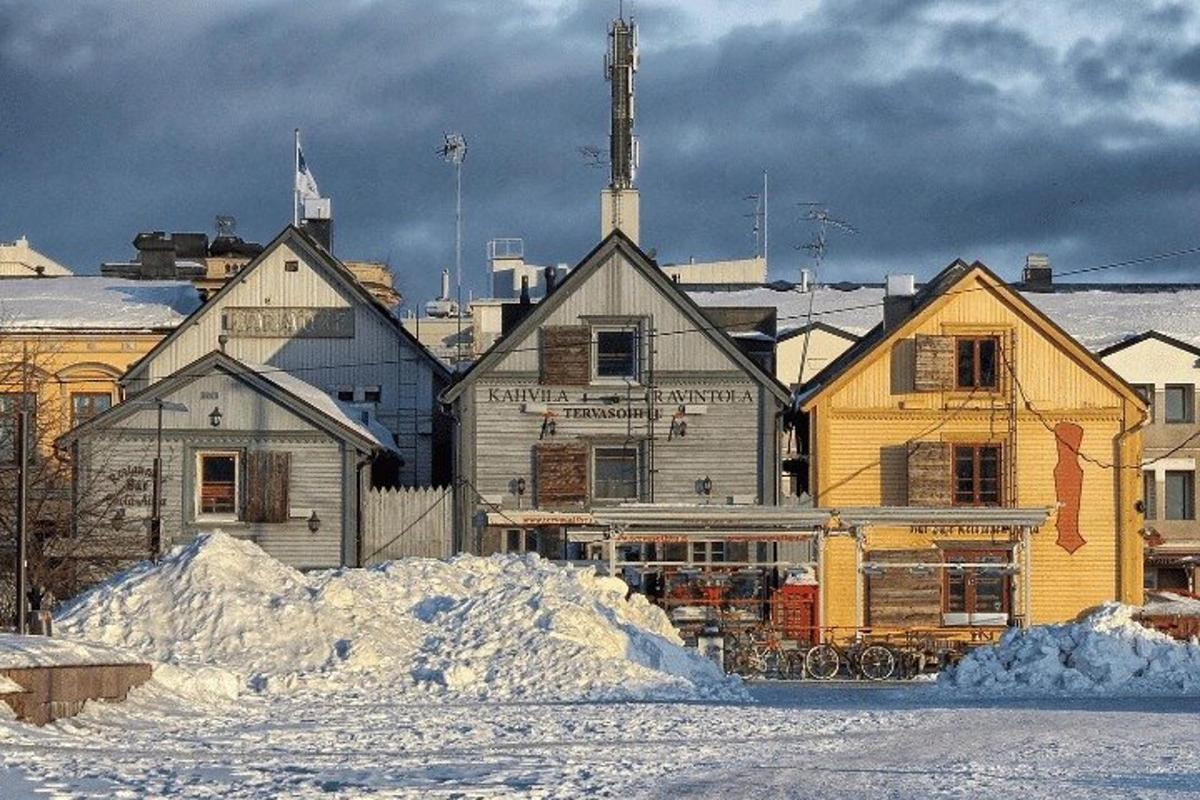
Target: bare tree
<point>75,537</point>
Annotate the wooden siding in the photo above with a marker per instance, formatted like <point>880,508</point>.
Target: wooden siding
<point>863,427</point>
<point>377,355</point>
<point>617,289</point>
<point>124,454</point>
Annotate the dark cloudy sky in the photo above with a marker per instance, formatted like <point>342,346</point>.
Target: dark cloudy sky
<point>939,129</point>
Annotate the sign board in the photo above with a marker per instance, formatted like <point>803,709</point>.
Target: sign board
<point>288,322</point>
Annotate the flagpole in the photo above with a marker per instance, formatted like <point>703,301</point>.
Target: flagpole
<point>296,186</point>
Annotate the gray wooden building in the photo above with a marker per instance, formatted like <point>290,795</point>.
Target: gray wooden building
<point>285,399</point>
<point>614,392</point>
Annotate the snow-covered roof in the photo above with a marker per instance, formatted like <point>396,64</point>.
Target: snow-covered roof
<point>343,413</point>
<point>94,303</point>
<point>1096,318</point>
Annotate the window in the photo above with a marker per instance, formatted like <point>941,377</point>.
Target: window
<point>615,471</point>
<point>291,266</point>
<point>10,405</point>
<point>976,362</point>
<point>518,540</point>
<point>218,485</point>
<point>1150,493</point>
<point>977,475</point>
<point>346,394</point>
<point>977,594</point>
<point>85,405</point>
<point>372,394</point>
<point>708,552</point>
<point>1146,390</point>
<point>616,353</point>
<point>1181,494</point>
<point>1180,402</point>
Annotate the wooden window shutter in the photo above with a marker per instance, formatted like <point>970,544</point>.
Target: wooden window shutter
<point>934,367</point>
<point>267,477</point>
<point>929,474</point>
<point>566,355</point>
<point>562,479</point>
<point>901,596</point>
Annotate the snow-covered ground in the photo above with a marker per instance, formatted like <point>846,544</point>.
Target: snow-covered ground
<point>797,741</point>
<point>512,677</point>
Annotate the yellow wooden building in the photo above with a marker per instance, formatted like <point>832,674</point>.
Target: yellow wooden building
<point>981,466</point>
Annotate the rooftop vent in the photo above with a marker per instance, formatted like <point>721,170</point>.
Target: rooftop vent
<point>898,299</point>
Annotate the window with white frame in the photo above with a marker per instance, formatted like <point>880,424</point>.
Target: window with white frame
<point>616,473</point>
<point>217,484</point>
<point>616,353</point>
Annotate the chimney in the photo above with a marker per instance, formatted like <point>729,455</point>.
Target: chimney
<point>445,285</point>
<point>898,300</point>
<point>1038,276</point>
<point>524,290</point>
<point>551,278</point>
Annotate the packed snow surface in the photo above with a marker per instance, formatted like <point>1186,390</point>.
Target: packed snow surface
<point>1106,653</point>
<point>36,651</point>
<point>1171,604</point>
<point>504,627</point>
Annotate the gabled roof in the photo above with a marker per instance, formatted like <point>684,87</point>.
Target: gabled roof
<point>615,242</point>
<point>1146,336</point>
<point>841,368</point>
<point>301,241</point>
<point>306,401</point>
<point>817,326</point>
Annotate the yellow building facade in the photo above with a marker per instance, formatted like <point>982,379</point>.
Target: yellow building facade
<point>982,466</point>
<point>66,342</point>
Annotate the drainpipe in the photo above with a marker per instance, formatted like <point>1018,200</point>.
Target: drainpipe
<point>358,521</point>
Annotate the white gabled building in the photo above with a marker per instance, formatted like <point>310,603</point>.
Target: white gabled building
<point>297,309</point>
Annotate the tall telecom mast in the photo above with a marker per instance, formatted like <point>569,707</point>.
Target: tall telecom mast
<point>619,202</point>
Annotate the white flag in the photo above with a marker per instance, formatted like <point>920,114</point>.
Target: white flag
<point>306,184</point>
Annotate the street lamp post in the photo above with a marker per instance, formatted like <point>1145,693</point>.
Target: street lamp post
<point>160,406</point>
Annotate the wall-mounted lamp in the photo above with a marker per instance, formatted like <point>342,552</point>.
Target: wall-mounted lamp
<point>706,485</point>
<point>222,340</point>
<point>214,417</point>
<point>678,425</point>
<point>314,522</point>
<point>549,427</point>
<point>520,487</point>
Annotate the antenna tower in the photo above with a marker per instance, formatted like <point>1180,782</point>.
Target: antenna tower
<point>818,213</point>
<point>454,151</point>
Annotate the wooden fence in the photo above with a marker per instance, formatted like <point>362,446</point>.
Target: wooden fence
<point>398,523</point>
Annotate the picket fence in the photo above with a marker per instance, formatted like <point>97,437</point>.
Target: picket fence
<point>398,523</point>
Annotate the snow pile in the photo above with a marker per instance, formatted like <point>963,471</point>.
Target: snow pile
<point>1107,653</point>
<point>9,686</point>
<point>504,627</point>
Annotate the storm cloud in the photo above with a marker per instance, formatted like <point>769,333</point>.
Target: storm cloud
<point>938,129</point>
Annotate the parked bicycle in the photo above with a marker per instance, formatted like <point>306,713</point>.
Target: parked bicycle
<point>872,661</point>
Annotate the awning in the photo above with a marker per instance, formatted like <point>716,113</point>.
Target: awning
<point>956,516</point>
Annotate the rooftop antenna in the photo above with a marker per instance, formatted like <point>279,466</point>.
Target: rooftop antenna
<point>226,225</point>
<point>453,151</point>
<point>818,213</point>
<point>759,216</point>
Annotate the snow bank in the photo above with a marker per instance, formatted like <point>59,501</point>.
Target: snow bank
<point>9,686</point>
<point>35,651</point>
<point>1107,653</point>
<point>504,627</point>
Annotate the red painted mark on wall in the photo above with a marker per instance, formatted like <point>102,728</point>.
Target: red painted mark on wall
<point>1068,485</point>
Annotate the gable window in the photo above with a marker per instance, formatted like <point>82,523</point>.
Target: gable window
<point>977,475</point>
<point>1180,402</point>
<point>1150,493</point>
<point>1146,390</point>
<point>291,266</point>
<point>977,594</point>
<point>615,473</point>
<point>346,394</point>
<point>616,353</point>
<point>85,405</point>
<point>217,485</point>
<point>976,362</point>
<point>1181,494</point>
